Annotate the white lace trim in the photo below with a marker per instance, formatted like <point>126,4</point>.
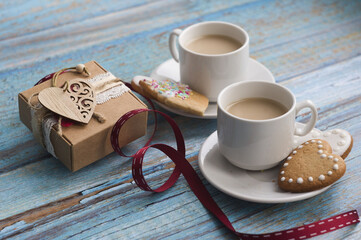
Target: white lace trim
<point>113,92</point>
<point>101,98</point>
<point>101,77</point>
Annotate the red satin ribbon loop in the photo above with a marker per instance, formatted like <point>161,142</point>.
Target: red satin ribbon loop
<point>182,166</point>
<point>138,157</point>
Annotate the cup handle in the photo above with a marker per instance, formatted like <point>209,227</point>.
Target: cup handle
<point>173,43</point>
<point>310,124</point>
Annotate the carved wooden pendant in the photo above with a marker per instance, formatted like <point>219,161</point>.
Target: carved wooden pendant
<point>76,100</point>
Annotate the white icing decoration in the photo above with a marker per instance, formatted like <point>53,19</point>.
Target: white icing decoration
<point>307,143</point>
<point>283,172</point>
<point>316,134</point>
<point>282,179</point>
<point>333,139</point>
<point>341,143</point>
<point>169,88</point>
<point>321,177</point>
<point>290,180</point>
<point>329,173</point>
<point>319,142</point>
<point>330,157</point>
<point>294,152</point>
<point>310,179</point>
<point>323,155</point>
<point>335,167</point>
<point>299,180</point>
<point>320,146</point>
<point>319,151</point>
<point>289,158</point>
<point>327,134</point>
<point>299,147</point>
<point>335,131</point>
<point>285,165</point>
<point>335,160</point>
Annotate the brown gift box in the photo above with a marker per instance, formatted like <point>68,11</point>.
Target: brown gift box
<point>83,144</point>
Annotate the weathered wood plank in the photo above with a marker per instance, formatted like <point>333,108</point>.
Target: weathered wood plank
<point>262,32</point>
<point>135,65</point>
<point>51,14</point>
<point>312,47</point>
<point>339,203</point>
<point>117,24</point>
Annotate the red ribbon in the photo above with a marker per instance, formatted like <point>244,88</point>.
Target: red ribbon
<point>182,166</point>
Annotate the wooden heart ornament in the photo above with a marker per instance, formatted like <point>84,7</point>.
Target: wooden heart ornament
<point>76,100</point>
<point>311,166</point>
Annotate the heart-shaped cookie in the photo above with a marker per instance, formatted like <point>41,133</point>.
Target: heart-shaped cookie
<point>340,140</point>
<point>76,100</point>
<point>311,166</point>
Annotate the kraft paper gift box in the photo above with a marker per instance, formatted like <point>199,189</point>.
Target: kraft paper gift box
<point>82,144</point>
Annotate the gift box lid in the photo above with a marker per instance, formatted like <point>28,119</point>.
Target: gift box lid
<point>91,141</point>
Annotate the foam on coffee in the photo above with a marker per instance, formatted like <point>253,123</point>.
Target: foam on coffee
<point>213,44</point>
<point>256,108</point>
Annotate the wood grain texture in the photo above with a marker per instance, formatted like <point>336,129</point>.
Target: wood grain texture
<point>69,103</point>
<point>312,47</point>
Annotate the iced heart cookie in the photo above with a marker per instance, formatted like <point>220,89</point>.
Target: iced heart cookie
<point>174,94</point>
<point>311,166</point>
<point>340,140</point>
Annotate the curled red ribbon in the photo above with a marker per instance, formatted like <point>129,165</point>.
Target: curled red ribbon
<point>182,166</point>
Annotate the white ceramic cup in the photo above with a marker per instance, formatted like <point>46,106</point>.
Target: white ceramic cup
<point>210,73</point>
<point>259,144</point>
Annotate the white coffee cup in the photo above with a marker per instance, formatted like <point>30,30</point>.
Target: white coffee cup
<point>210,73</point>
<point>259,144</point>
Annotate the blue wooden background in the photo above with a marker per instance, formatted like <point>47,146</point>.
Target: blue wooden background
<point>312,47</point>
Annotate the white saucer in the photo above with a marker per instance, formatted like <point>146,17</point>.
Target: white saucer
<point>170,70</point>
<point>253,186</point>
<point>260,186</point>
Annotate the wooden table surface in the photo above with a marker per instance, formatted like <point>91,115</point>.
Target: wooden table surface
<point>312,47</point>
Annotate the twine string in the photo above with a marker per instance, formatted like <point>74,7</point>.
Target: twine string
<point>80,68</point>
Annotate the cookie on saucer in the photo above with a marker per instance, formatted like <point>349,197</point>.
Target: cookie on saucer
<point>311,166</point>
<point>174,94</point>
<point>137,87</point>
